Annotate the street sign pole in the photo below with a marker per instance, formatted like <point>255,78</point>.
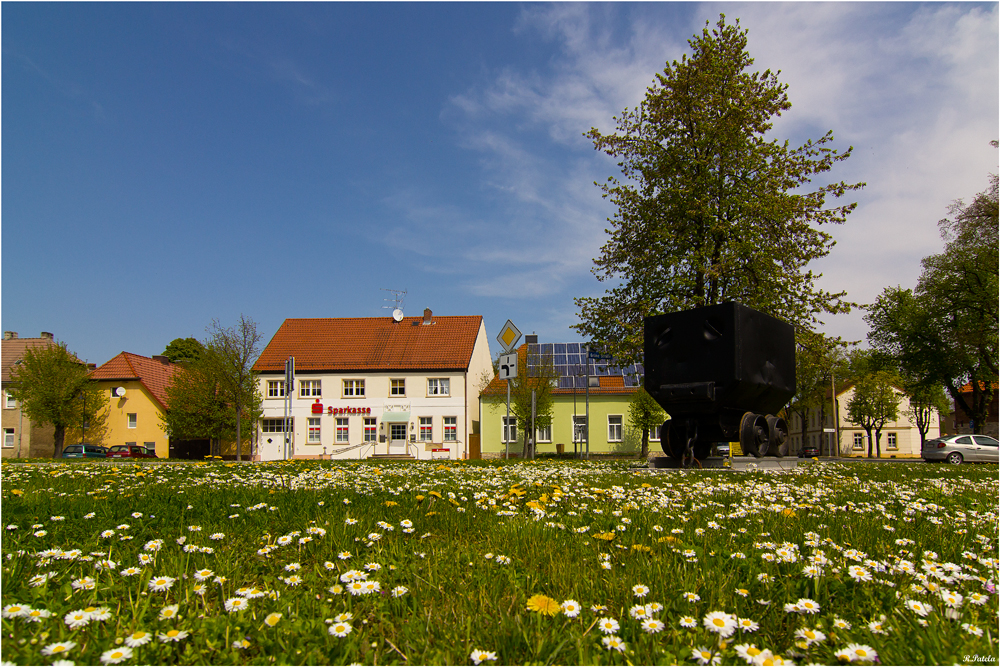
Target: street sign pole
<point>506,426</point>
<point>508,337</point>
<point>587,418</point>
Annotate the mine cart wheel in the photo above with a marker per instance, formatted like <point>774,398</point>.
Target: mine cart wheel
<point>777,436</point>
<point>753,434</point>
<point>671,440</point>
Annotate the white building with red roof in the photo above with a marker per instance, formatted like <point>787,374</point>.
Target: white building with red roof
<point>365,387</point>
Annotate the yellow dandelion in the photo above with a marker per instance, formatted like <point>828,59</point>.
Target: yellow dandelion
<point>543,604</point>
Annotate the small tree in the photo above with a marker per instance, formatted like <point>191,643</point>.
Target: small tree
<point>195,406</point>
<point>229,357</point>
<point>873,405</point>
<point>644,414</point>
<point>925,400</point>
<point>184,349</point>
<point>535,372</point>
<point>54,387</point>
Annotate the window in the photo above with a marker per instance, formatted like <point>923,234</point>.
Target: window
<point>132,420</point>
<point>149,445</point>
<point>370,431</point>
<point>397,387</point>
<point>8,437</point>
<point>275,425</point>
<point>509,425</point>
<point>130,444</point>
<point>397,432</point>
<point>275,388</point>
<point>654,433</point>
<point>859,441</point>
<point>579,428</point>
<point>342,433</point>
<point>426,429</point>
<point>890,441</point>
<point>314,430</point>
<point>614,428</point>
<point>986,441</point>
<point>9,401</point>
<point>543,433</point>
<point>438,387</point>
<point>310,388</point>
<point>354,388</point>
<point>451,429</point>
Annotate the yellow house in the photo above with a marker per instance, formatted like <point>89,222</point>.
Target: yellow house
<point>137,391</point>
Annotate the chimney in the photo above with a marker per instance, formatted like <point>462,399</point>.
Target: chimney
<point>9,335</point>
<point>161,358</point>
<point>531,339</point>
<point>427,316</point>
<point>91,367</point>
<point>46,335</point>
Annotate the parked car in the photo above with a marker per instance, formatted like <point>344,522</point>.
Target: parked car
<point>959,448</point>
<point>131,452</point>
<point>84,451</point>
<point>808,451</point>
<point>722,449</point>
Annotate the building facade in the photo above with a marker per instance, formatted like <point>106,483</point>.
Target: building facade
<point>137,390</point>
<point>22,438</point>
<point>363,387</point>
<point>602,399</point>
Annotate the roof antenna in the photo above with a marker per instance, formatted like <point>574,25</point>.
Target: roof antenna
<point>397,300</point>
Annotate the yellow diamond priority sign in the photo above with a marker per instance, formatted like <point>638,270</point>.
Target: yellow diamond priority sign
<point>509,336</point>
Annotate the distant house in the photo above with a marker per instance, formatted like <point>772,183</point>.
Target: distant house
<point>609,389</point>
<point>21,437</point>
<point>900,438</point>
<point>373,386</point>
<point>962,423</point>
<point>137,392</point>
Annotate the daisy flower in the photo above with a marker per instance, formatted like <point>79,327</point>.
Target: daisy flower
<point>15,610</point>
<point>692,597</point>
<point>217,536</point>
<point>116,655</point>
<point>705,657</point>
<point>272,619</point>
<point>571,608</point>
<point>344,617</point>
<point>202,575</point>
<point>36,615</point>
<point>841,624</point>
<point>807,606</point>
<point>77,619</point>
<point>720,622</point>
<point>58,648</point>
<point>688,622</point>
<point>607,625</point>
<point>236,604</point>
<point>172,635</point>
<point>653,625</point>
<point>344,555</point>
<point>478,656</point>
<point>130,571</point>
<point>138,638</point>
<point>972,629</point>
<point>861,653</point>
<point>747,625</point>
<point>918,608</point>
<point>614,643</point>
<point>748,652</point>
<point>160,584</point>
<point>341,629</point>
<point>169,612</point>
<point>200,589</point>
<point>809,636</point>
<point>640,591</point>
<point>876,628</point>
<point>400,591</point>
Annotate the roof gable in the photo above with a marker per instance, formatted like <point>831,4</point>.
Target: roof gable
<point>372,344</point>
<point>14,349</point>
<point>154,375</point>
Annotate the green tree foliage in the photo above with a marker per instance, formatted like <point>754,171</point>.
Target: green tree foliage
<point>925,400</point>
<point>217,392</point>
<point>644,414</point>
<point>184,349</point>
<point>54,387</point>
<point>535,372</point>
<point>817,357</point>
<point>945,331</point>
<point>709,211</point>
<point>874,404</point>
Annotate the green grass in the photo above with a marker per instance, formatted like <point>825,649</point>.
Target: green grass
<point>674,532</point>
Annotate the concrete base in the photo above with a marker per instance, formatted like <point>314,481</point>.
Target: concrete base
<point>667,462</point>
<point>735,463</point>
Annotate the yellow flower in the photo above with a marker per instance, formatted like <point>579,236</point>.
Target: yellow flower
<point>605,536</point>
<point>419,498</point>
<point>788,512</point>
<point>272,619</point>
<point>543,604</point>
<point>391,503</point>
<point>435,494</point>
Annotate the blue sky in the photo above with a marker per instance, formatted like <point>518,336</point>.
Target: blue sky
<point>164,165</point>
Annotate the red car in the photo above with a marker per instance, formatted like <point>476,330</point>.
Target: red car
<point>131,452</point>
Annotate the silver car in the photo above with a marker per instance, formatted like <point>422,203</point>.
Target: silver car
<point>958,448</point>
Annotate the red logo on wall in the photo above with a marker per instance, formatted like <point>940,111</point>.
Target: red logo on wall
<point>347,411</point>
<point>317,408</point>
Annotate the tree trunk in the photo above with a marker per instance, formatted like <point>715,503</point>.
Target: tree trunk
<point>878,443</point>
<point>870,442</point>
<point>58,437</point>
<point>239,440</point>
<point>644,452</point>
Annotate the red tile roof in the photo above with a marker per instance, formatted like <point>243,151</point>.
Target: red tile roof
<point>154,375</point>
<point>13,349</point>
<point>372,344</point>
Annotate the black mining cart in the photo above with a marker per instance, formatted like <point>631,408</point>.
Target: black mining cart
<point>720,372</point>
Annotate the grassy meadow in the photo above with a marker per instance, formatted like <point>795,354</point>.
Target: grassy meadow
<point>485,563</point>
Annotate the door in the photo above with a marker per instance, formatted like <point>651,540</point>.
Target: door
<point>988,448</point>
<point>966,448</point>
<point>397,439</point>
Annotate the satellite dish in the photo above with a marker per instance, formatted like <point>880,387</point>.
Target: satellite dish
<point>119,391</point>
<point>397,315</point>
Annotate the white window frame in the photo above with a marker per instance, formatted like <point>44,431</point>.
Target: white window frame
<point>8,437</point>
<point>343,430</point>
<point>439,386</point>
<point>275,388</point>
<point>133,419</point>
<point>315,435</point>
<point>310,388</point>
<point>354,388</point>
<point>859,441</point>
<point>654,433</point>
<point>276,425</point>
<point>579,428</point>
<point>450,429</point>
<point>891,441</point>
<point>543,433</point>
<point>9,402</point>
<point>425,429</point>
<point>508,428</point>
<point>615,430</point>
<point>371,429</point>
<point>397,390</point>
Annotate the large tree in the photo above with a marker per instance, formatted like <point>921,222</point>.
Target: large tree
<point>196,408</point>
<point>230,353</point>
<point>817,358</point>
<point>54,387</point>
<point>708,210</point>
<point>874,404</point>
<point>535,373</point>
<point>184,349</point>
<point>946,330</point>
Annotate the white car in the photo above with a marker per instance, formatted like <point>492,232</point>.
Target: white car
<point>959,448</point>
